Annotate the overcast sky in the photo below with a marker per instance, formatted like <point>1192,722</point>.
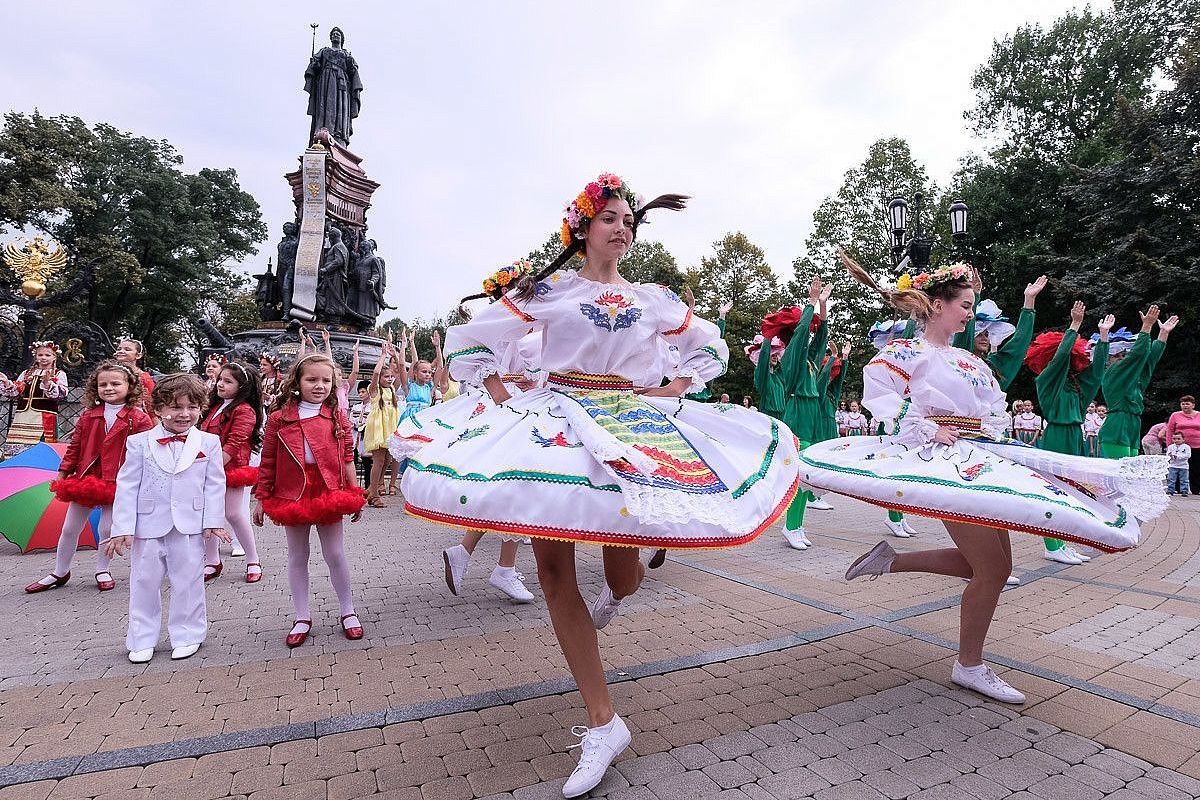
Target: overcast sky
<point>481,119</point>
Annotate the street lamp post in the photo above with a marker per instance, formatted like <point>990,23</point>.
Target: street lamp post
<point>917,248</point>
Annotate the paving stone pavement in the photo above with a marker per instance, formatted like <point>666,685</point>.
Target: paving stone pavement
<point>753,673</point>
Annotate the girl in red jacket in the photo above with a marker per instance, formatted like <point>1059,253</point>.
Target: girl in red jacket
<point>87,476</point>
<point>235,415</point>
<point>307,478</point>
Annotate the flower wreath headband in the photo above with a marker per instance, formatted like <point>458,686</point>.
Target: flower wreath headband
<point>584,208</point>
<point>33,348</point>
<point>927,280</point>
<point>507,275</point>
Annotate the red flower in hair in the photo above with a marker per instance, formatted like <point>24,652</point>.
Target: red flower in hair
<point>1044,347</point>
<point>782,323</point>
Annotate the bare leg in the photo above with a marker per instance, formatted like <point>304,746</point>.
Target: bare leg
<point>989,553</point>
<point>623,570</point>
<point>508,553</point>
<point>471,540</point>
<point>573,625</point>
<point>945,561</point>
<point>378,465</point>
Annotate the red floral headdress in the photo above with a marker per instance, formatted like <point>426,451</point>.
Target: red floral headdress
<point>1044,347</point>
<point>782,323</point>
<point>591,201</point>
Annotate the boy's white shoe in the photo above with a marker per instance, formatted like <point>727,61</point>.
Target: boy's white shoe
<point>598,747</point>
<point>897,529</point>
<point>141,656</point>
<point>456,559</point>
<point>605,607</point>
<point>1061,555</point>
<point>184,651</point>
<point>1084,559</point>
<point>983,680</point>
<point>508,580</point>
<point>796,539</point>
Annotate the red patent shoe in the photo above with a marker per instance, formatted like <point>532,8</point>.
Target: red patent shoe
<point>216,571</point>
<point>353,632</point>
<point>253,577</point>
<point>297,639</point>
<point>105,585</point>
<point>38,586</point>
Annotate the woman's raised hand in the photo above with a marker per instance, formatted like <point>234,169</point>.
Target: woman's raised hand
<point>1032,290</point>
<point>1077,312</point>
<point>1149,318</point>
<point>1106,325</point>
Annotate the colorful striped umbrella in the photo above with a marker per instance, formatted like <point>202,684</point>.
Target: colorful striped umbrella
<point>31,517</point>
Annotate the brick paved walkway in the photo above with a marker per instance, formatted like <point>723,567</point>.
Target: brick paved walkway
<point>754,673</point>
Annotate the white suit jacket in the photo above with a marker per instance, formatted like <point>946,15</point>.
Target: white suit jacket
<point>156,492</point>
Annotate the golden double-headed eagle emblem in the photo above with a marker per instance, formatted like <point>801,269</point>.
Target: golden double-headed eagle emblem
<point>35,263</point>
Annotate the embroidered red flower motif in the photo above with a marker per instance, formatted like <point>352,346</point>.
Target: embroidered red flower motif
<point>966,365</point>
<point>615,299</point>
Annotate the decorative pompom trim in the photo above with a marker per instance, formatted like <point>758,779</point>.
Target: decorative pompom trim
<point>241,476</point>
<point>325,509</point>
<point>88,491</point>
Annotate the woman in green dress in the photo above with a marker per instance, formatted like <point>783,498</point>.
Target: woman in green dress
<point>1125,383</point>
<point>1066,383</point>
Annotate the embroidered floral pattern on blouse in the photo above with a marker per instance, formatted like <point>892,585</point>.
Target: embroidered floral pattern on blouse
<point>470,433</point>
<point>558,440</point>
<point>975,470</point>
<point>611,311</point>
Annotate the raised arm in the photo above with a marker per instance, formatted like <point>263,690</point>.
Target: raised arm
<point>1054,377</point>
<point>1007,358</point>
<point>1092,378</point>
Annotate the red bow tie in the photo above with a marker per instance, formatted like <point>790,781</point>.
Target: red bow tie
<point>179,437</point>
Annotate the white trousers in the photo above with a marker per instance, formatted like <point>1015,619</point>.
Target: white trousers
<point>179,558</point>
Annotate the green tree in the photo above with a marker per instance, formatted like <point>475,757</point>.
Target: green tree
<point>650,262</point>
<point>856,218</point>
<point>164,239</point>
<point>737,272</point>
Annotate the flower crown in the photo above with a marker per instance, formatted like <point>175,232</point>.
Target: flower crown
<point>33,348</point>
<point>591,201</point>
<point>508,274</point>
<point>927,280</point>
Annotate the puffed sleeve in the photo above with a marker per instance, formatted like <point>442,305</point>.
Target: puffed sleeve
<point>265,486</point>
<point>703,354</point>
<point>57,388</point>
<point>885,393</point>
<point>473,350</point>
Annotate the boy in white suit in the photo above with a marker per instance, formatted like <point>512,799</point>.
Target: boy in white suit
<point>170,495</point>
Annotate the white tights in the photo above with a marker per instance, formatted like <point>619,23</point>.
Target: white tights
<point>238,521</point>
<point>68,540</point>
<point>333,550</point>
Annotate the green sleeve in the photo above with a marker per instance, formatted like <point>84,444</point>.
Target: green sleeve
<point>1121,380</point>
<point>1156,352</point>
<point>794,364</point>
<point>1092,378</point>
<point>816,347</point>
<point>835,388</point>
<point>721,326</point>
<point>966,339</point>
<point>910,329</point>
<point>1009,356</point>
<point>823,385</point>
<point>762,370</point>
<point>1053,380</point>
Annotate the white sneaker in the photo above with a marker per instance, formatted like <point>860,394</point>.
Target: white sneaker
<point>604,609</point>
<point>909,529</point>
<point>804,536</point>
<point>141,656</point>
<point>456,559</point>
<point>820,504</point>
<point>1084,559</point>
<point>1012,580</point>
<point>597,749</point>
<point>796,539</point>
<point>184,651</point>
<point>876,561</point>
<point>238,551</point>
<point>986,682</point>
<point>1061,555</point>
<point>509,581</point>
<point>897,529</point>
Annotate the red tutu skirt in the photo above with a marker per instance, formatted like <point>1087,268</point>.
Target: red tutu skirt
<point>88,491</point>
<point>241,476</point>
<point>319,505</point>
